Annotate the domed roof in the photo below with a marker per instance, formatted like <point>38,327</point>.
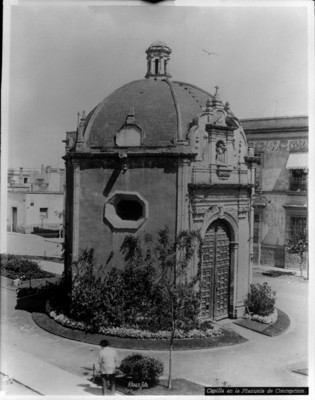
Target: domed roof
<point>163,110</point>
<point>158,43</point>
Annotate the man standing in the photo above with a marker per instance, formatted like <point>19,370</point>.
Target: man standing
<point>107,364</point>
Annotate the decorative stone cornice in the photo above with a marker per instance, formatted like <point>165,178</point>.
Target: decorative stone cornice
<point>134,153</point>
<point>219,186</point>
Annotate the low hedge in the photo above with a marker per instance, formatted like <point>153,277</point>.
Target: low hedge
<point>142,369</point>
<point>14,267</point>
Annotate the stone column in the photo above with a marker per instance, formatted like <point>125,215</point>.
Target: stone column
<point>182,214</point>
<point>75,209</point>
<point>149,65</point>
<point>233,277</point>
<point>183,178</point>
<point>212,155</point>
<point>229,145</point>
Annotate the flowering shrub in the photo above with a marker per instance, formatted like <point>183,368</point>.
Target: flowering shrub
<point>135,333</point>
<point>144,294</point>
<point>142,369</point>
<point>261,299</point>
<point>270,319</point>
<point>70,323</point>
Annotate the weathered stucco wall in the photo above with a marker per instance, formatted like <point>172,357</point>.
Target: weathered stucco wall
<point>273,221</point>
<point>275,176</point>
<point>157,186</point>
<point>52,201</point>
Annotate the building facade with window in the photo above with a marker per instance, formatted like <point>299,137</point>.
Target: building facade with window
<point>160,152</point>
<point>35,199</point>
<point>281,145</point>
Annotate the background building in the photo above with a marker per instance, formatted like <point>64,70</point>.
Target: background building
<point>281,144</point>
<point>35,199</point>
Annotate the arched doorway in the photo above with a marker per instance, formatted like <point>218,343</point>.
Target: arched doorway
<point>216,271</point>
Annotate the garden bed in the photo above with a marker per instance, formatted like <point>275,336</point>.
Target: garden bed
<point>208,330</point>
<point>277,328</point>
<point>228,337</point>
<point>20,268</point>
<point>179,387</point>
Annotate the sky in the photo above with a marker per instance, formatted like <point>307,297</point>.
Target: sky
<point>66,57</point>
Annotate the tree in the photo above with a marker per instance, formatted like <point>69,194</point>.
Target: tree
<point>181,299</point>
<point>173,296</point>
<point>298,244</point>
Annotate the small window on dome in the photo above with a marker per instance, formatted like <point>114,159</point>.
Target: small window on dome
<point>130,134</point>
<point>128,137</point>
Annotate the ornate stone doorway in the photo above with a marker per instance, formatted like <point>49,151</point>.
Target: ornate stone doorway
<point>215,272</point>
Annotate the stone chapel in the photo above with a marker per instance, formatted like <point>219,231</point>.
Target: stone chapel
<point>161,152</point>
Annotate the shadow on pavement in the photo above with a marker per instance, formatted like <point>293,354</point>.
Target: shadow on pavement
<point>276,274</point>
<point>92,390</point>
<point>88,371</point>
<point>31,303</point>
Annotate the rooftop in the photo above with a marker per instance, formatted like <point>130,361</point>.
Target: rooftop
<point>298,121</point>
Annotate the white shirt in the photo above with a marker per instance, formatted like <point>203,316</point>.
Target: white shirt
<point>107,360</point>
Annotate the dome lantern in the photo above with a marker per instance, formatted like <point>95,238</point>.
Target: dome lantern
<point>158,56</point>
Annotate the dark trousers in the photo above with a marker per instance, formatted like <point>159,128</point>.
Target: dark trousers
<point>108,384</point>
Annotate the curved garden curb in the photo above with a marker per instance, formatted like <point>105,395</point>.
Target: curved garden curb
<point>228,338</point>
<point>277,328</point>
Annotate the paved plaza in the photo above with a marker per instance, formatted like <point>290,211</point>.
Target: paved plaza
<point>61,366</point>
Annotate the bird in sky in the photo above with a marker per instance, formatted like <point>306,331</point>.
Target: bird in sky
<point>210,52</point>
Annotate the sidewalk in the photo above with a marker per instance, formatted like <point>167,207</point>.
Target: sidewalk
<point>13,388</point>
<point>38,375</point>
<point>33,245</point>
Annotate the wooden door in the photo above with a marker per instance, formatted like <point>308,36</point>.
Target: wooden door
<point>215,276</point>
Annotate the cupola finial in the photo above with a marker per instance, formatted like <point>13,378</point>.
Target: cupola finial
<point>217,94</point>
<point>217,103</point>
<point>158,56</point>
